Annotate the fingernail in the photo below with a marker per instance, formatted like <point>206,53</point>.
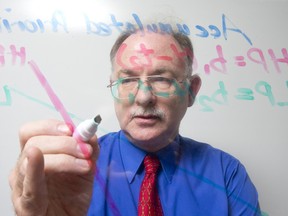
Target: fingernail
<point>84,149</point>
<point>24,165</point>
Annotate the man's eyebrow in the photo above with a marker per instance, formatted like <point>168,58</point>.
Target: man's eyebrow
<point>127,72</point>
<point>159,71</point>
<point>162,71</point>
<point>167,71</point>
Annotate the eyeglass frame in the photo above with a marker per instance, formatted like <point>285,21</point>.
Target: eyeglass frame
<point>173,81</point>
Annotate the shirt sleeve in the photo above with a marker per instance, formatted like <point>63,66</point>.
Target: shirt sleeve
<point>242,194</point>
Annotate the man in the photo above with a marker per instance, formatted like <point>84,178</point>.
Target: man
<point>153,86</point>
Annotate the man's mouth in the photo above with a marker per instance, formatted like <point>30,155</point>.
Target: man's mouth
<point>147,116</point>
<point>146,120</point>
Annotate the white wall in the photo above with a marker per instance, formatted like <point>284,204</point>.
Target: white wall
<point>75,63</point>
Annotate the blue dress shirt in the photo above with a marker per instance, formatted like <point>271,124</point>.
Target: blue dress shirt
<point>194,179</point>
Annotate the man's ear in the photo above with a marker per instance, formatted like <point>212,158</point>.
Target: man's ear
<point>195,84</point>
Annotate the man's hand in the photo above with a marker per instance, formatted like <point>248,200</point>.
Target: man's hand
<point>52,176</point>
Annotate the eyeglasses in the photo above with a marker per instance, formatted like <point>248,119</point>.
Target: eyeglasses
<point>127,87</point>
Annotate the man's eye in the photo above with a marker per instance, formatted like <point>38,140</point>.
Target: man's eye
<point>128,81</point>
<point>161,80</point>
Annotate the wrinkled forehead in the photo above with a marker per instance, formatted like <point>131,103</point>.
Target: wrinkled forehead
<point>145,50</point>
<point>155,41</point>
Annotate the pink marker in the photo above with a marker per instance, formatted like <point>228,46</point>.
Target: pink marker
<point>86,130</point>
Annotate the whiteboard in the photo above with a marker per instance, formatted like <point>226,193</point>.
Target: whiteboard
<point>240,54</point>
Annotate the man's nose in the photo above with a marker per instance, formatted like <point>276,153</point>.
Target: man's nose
<point>145,94</point>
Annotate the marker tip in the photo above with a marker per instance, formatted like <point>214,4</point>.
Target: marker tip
<point>98,119</point>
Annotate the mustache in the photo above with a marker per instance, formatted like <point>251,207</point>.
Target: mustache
<point>148,112</point>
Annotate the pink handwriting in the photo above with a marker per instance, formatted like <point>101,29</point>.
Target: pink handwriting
<point>217,64</point>
<point>254,55</point>
<point>13,54</point>
<point>137,63</point>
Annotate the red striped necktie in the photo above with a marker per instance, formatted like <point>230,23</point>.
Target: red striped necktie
<point>149,201</point>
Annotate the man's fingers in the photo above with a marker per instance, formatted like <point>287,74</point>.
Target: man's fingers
<point>62,163</point>
<point>29,192</point>
<point>34,181</point>
<point>60,145</point>
<point>46,127</point>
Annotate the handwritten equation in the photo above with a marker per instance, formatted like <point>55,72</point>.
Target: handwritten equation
<point>16,56</point>
<point>253,55</point>
<point>221,96</point>
<point>217,64</point>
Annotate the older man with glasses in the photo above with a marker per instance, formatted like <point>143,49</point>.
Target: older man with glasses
<point>146,168</point>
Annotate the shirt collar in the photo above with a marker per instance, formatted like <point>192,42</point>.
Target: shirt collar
<point>168,157</point>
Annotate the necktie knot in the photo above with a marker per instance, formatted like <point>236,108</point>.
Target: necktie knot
<point>151,164</point>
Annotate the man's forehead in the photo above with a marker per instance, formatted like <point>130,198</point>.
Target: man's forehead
<point>150,39</point>
<point>150,53</point>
